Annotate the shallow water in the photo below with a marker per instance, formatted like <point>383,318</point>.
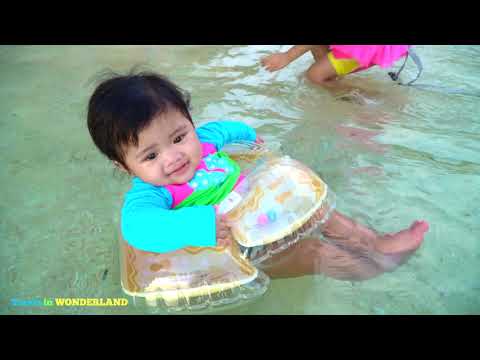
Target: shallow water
<point>405,154</point>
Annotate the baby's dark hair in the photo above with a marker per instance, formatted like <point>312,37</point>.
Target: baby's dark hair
<point>123,105</point>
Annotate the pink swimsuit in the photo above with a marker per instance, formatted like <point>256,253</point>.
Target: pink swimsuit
<point>211,171</point>
<point>370,55</point>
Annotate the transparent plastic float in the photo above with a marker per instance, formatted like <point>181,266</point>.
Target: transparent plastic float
<point>279,202</point>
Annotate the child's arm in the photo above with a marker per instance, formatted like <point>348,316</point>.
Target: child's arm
<point>148,224</point>
<point>221,133</point>
<point>278,61</point>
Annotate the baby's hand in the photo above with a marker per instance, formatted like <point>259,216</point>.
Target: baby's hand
<point>275,62</point>
<point>224,237</point>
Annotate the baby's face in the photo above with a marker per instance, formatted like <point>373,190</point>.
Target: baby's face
<point>168,151</point>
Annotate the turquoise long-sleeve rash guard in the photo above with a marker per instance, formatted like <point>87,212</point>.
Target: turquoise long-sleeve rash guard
<point>148,221</point>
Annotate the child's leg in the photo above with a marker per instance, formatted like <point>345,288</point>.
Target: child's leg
<point>321,71</point>
<point>344,229</point>
<point>354,252</point>
<point>324,73</point>
<point>315,256</point>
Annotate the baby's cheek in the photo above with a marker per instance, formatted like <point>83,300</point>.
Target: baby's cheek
<point>197,154</point>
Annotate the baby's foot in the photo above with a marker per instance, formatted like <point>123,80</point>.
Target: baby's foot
<point>402,241</point>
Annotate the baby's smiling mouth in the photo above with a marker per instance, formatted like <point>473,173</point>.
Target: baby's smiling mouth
<point>180,169</point>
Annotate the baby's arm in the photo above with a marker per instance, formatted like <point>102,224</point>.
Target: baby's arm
<point>148,224</point>
<point>221,133</point>
<point>278,61</point>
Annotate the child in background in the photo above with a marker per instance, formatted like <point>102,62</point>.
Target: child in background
<point>142,123</point>
<point>333,61</point>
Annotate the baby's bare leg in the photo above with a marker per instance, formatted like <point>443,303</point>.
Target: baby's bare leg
<point>315,256</point>
<point>351,251</point>
<point>385,249</point>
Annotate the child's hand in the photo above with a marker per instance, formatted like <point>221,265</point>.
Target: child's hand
<point>259,140</point>
<point>224,237</point>
<point>275,62</point>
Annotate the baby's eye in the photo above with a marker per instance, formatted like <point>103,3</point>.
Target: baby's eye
<point>178,138</point>
<point>151,156</point>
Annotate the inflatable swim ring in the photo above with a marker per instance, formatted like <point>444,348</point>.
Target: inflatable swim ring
<point>192,278</point>
<point>279,201</point>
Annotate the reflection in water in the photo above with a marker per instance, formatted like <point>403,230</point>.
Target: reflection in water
<point>361,136</point>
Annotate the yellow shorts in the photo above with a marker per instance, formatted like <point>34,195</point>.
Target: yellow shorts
<point>342,66</point>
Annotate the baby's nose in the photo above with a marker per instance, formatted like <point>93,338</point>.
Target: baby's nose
<point>171,159</point>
